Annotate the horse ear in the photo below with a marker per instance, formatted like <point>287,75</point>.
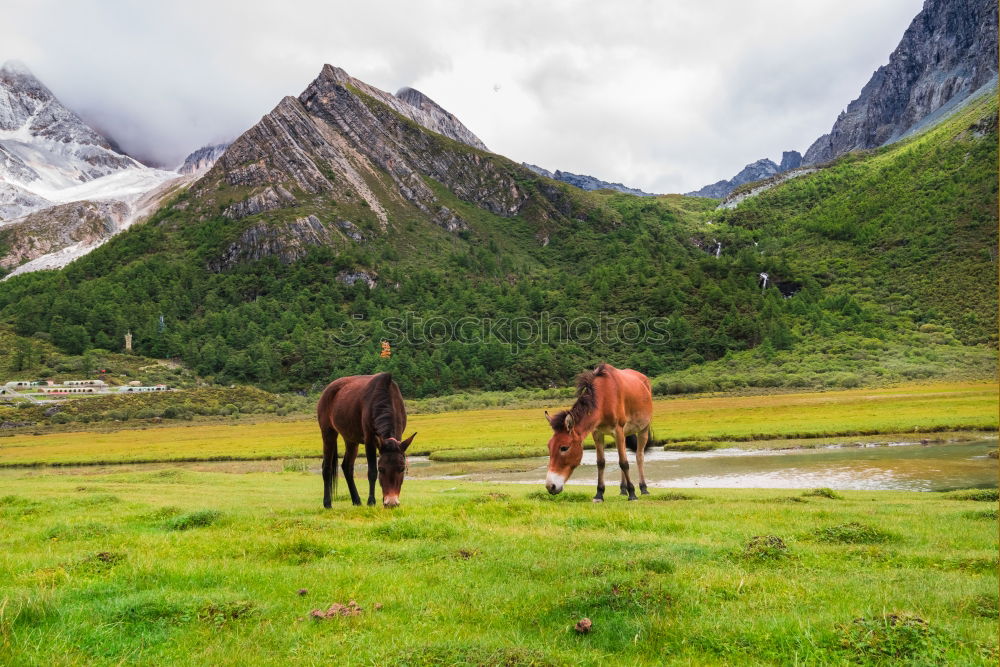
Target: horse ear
<point>406,443</point>
<point>569,422</point>
<point>548,417</point>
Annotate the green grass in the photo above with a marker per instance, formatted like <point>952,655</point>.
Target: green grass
<point>467,573</point>
<point>779,420</point>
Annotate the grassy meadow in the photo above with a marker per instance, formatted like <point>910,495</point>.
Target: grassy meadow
<point>183,567</point>
<point>500,433</point>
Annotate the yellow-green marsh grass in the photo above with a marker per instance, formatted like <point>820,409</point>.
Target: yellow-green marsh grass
<point>176,566</point>
<point>905,409</point>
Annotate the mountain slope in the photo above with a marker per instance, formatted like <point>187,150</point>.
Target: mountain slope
<point>338,222</point>
<point>947,53</point>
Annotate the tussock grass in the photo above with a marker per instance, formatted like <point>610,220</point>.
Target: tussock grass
<point>564,497</point>
<point>197,519</point>
<point>891,637</point>
<point>981,495</point>
<point>669,495</point>
<point>690,446</point>
<point>823,493</point>
<point>763,548</point>
<point>488,453</point>
<point>853,532</point>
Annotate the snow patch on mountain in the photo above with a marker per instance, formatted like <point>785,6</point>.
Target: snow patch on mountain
<point>50,158</point>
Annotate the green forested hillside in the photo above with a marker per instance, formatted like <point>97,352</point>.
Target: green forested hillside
<point>886,254</point>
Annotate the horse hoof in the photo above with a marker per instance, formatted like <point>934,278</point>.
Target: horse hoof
<point>598,500</point>
<point>633,497</point>
<point>644,491</point>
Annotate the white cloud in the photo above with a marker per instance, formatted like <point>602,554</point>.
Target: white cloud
<point>666,96</point>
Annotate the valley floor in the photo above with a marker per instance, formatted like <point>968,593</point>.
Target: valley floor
<point>910,412</point>
<point>176,566</point>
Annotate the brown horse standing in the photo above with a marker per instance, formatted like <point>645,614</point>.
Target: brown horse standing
<point>369,410</point>
<point>609,402</point>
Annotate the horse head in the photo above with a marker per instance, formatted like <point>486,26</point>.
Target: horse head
<point>392,468</point>
<point>565,450</point>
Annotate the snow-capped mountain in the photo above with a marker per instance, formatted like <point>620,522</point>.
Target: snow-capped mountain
<point>50,157</point>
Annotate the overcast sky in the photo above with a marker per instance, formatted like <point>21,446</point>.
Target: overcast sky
<point>663,95</point>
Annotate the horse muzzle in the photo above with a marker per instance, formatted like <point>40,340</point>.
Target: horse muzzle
<point>390,502</point>
<point>554,483</point>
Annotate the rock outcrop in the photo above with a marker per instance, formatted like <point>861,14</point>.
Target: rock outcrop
<point>790,160</point>
<point>947,54</point>
<point>78,224</point>
<point>286,241</point>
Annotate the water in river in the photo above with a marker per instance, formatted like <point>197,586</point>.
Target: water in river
<point>935,467</point>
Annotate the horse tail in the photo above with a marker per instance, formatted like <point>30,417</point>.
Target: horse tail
<point>330,457</point>
<point>323,414</point>
<point>632,441</point>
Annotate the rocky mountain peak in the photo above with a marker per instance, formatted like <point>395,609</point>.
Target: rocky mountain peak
<point>790,160</point>
<point>416,106</point>
<point>202,159</point>
<point>585,182</point>
<point>354,153</point>
<point>948,52</point>
<point>15,75</point>
<point>755,171</point>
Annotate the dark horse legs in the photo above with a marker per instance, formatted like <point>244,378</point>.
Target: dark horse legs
<point>350,454</point>
<point>372,455</point>
<point>329,464</point>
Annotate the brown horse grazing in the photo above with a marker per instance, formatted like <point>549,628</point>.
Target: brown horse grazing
<point>609,402</point>
<point>364,409</point>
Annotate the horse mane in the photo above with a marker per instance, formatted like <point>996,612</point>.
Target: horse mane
<point>381,407</point>
<point>586,399</point>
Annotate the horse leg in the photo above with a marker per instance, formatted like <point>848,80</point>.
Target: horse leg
<point>329,464</point>
<point>351,453</point>
<point>623,461</point>
<point>640,460</point>
<point>599,446</point>
<point>372,455</point>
